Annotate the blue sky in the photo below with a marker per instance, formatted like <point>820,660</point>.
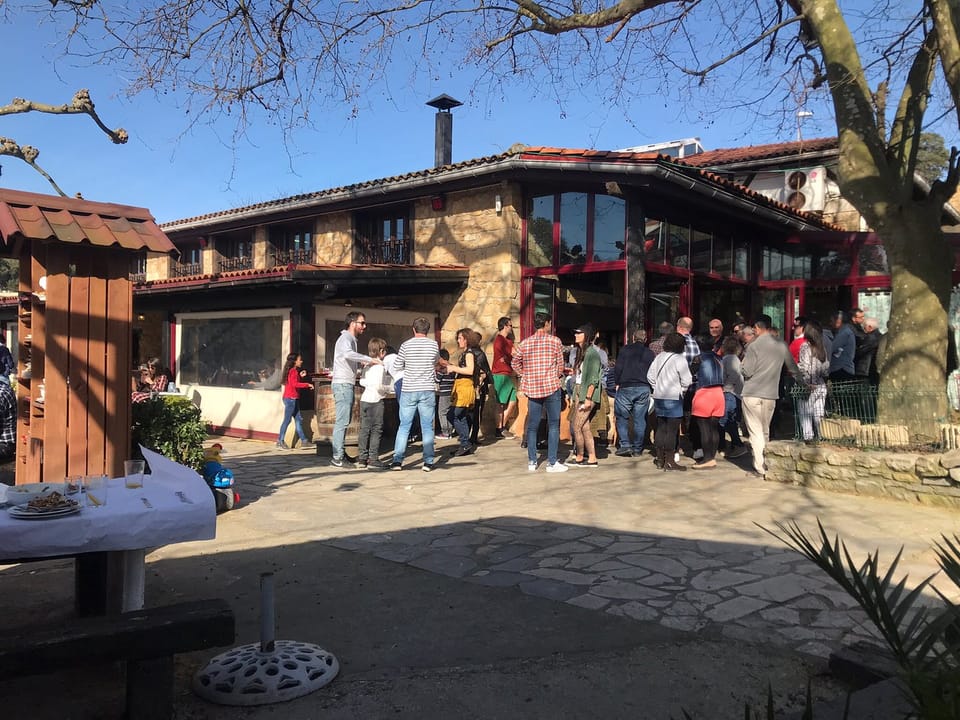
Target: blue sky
<point>179,175</point>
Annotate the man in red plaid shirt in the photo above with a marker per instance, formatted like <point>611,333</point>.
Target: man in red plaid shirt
<point>538,361</point>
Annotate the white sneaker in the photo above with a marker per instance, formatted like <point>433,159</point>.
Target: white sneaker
<point>531,467</point>
<point>557,467</point>
<point>698,454</point>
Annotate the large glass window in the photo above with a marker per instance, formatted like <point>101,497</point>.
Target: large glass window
<point>834,264</point>
<point>701,244</point>
<point>591,228</point>
<point>540,232</point>
<point>774,305</point>
<point>609,228</point>
<point>722,255</point>
<point>741,259</point>
<point>873,260</point>
<point>786,265</point>
<point>573,228</point>
<point>233,350</point>
<point>679,255</point>
<point>655,240</point>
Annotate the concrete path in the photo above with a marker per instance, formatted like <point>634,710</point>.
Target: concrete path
<point>680,549</point>
<point>483,590</point>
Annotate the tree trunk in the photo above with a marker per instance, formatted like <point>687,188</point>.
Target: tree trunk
<point>913,356</point>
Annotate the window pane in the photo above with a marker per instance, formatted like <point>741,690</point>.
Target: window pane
<point>229,352</point>
<point>655,240</point>
<point>679,246</point>
<point>701,245</point>
<point>722,255</point>
<point>741,259</point>
<point>609,228</point>
<point>543,293</point>
<point>833,265</point>
<point>573,228</point>
<point>873,260</point>
<point>774,305</point>
<point>540,232</point>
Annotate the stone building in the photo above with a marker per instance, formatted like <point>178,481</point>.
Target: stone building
<point>622,239</point>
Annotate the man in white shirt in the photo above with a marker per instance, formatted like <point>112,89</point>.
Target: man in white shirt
<point>343,380</point>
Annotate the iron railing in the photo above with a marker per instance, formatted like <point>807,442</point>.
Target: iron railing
<point>235,263</point>
<point>186,269</point>
<point>292,257</point>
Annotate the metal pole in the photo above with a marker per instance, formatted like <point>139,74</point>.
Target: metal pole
<point>267,613</point>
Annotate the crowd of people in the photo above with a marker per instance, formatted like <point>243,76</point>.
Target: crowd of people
<point>707,389</point>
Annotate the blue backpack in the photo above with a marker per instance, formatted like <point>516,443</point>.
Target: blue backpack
<point>710,373</point>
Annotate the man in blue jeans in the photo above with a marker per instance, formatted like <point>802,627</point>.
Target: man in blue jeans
<point>633,394</point>
<point>538,361</point>
<point>343,380</point>
<point>418,359</point>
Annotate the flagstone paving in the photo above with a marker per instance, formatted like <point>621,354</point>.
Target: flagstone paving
<point>683,550</point>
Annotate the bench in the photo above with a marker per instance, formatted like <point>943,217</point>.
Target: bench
<point>146,640</point>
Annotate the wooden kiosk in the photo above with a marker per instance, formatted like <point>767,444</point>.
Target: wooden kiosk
<point>74,330</point>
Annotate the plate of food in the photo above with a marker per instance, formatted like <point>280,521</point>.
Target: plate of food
<point>22,494</point>
<point>43,508</point>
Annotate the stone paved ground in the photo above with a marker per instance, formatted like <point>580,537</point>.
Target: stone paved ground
<point>680,549</point>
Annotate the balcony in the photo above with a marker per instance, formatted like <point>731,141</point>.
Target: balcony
<point>293,257</point>
<point>186,269</point>
<point>235,263</point>
<point>395,251</point>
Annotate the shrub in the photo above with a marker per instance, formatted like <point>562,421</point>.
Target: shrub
<point>171,426</point>
<point>924,640</point>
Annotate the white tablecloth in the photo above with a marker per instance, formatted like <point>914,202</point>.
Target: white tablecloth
<point>125,522</point>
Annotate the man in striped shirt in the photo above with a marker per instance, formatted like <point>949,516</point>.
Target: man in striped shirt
<point>538,361</point>
<point>417,358</point>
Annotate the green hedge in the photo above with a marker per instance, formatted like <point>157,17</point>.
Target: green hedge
<point>171,426</point>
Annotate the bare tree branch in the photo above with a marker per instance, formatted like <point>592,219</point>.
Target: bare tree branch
<point>81,104</point>
<point>29,155</point>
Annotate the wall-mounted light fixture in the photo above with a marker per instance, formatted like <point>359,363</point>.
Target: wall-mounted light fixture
<point>438,203</point>
<point>498,204</point>
<point>348,303</point>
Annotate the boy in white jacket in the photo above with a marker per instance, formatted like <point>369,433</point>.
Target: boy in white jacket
<point>371,408</point>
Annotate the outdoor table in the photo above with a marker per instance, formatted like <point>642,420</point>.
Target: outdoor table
<point>174,505</point>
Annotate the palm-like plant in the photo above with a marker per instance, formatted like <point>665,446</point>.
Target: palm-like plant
<point>924,641</point>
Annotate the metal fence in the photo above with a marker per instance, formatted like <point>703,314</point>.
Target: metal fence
<point>847,413</point>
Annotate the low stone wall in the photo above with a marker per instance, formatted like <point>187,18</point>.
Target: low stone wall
<point>927,478</point>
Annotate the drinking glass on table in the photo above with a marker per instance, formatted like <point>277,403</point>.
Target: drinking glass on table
<point>133,473</point>
<point>74,487</point>
<point>95,487</point>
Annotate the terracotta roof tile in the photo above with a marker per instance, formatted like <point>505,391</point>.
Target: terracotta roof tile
<point>694,164</point>
<point>33,216</point>
<point>726,156</point>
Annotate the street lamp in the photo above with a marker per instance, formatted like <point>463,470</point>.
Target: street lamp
<point>801,116</point>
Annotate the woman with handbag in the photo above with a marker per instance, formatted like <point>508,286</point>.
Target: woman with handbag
<point>586,396</point>
<point>669,376</point>
<point>464,393</point>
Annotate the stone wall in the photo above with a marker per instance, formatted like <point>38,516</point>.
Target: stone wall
<point>471,232</point>
<point>927,478</point>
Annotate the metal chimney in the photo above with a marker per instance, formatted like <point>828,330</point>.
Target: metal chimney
<point>443,135</point>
